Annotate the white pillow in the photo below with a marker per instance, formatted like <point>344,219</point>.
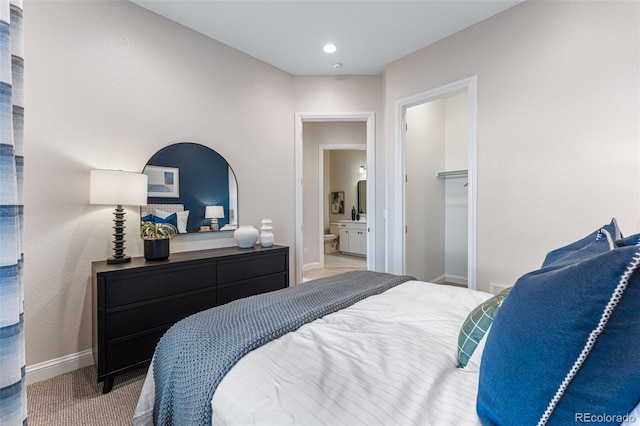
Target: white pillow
<point>476,356</point>
<point>182,219</point>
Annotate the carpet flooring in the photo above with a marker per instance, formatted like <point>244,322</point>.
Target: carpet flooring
<point>76,398</point>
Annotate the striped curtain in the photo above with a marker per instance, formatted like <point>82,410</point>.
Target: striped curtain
<point>13,391</point>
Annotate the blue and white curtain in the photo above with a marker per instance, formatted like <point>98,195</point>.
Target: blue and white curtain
<point>13,389</point>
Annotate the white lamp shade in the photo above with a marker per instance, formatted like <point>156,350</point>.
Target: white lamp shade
<point>214,212</point>
<point>117,187</point>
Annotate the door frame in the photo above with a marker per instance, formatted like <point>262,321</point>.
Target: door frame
<point>468,85</point>
<point>369,119</point>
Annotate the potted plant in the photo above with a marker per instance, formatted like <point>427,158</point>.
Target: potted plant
<point>156,238</point>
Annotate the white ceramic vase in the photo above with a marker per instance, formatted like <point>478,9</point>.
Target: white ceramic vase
<point>266,236</point>
<point>246,236</point>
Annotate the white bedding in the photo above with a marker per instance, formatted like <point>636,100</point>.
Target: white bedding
<point>389,359</point>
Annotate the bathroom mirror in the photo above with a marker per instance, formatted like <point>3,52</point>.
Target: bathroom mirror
<point>362,196</point>
<point>187,177</point>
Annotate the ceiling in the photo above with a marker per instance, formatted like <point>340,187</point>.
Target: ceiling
<point>290,34</point>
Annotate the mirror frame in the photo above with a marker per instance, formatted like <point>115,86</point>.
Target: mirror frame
<point>362,196</point>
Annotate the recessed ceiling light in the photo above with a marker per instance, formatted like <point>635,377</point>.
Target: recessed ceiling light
<point>337,66</point>
<point>330,48</point>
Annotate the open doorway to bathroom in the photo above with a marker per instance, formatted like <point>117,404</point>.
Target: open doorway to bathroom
<point>343,210</point>
<point>307,172</point>
<point>335,171</point>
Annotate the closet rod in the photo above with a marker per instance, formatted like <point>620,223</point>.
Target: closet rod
<point>452,173</point>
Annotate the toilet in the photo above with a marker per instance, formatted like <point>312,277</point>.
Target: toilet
<point>331,239</point>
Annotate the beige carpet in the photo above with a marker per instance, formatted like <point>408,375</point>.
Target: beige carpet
<point>76,399</point>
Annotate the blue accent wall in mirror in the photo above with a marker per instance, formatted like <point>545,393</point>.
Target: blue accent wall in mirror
<point>196,176</point>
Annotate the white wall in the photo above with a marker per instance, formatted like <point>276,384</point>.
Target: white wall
<point>326,133</point>
<point>456,132</point>
<point>558,132</point>
<point>456,201</point>
<point>424,212</point>
<point>107,84</point>
<point>456,232</point>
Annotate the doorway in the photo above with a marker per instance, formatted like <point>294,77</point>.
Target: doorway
<point>315,224</point>
<point>342,173</point>
<point>437,174</point>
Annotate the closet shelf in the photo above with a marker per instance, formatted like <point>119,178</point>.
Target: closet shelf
<point>452,173</point>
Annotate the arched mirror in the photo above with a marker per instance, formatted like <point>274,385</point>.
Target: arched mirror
<point>194,182</point>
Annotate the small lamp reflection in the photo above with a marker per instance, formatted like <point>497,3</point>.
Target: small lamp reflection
<point>214,213</point>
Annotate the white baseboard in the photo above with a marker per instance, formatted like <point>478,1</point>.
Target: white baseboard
<point>456,279</point>
<point>438,280</point>
<point>55,367</point>
<point>310,266</point>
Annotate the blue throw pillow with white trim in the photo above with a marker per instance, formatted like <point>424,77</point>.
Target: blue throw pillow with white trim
<point>172,219</point>
<point>563,254</point>
<point>565,343</point>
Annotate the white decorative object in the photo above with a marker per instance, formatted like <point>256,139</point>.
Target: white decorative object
<point>246,236</point>
<point>266,237</point>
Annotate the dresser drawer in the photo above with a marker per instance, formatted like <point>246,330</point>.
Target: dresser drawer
<point>130,352</point>
<point>251,287</point>
<point>144,285</point>
<point>247,268</point>
<point>164,312</point>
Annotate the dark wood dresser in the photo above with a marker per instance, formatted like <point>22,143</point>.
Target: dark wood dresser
<point>135,303</point>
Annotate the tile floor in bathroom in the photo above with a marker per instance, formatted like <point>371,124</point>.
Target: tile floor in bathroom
<point>336,263</point>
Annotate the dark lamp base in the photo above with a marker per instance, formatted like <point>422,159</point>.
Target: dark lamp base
<point>124,259</point>
<point>118,241</point>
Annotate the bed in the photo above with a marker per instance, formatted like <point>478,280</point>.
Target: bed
<point>417,353</point>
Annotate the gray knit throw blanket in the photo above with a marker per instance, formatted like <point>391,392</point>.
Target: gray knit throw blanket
<point>194,355</point>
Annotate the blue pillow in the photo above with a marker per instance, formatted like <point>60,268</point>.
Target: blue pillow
<point>557,255</point>
<point>172,219</point>
<point>541,332</point>
<point>147,218</point>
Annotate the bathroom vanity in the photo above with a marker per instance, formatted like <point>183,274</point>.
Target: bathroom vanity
<point>353,237</point>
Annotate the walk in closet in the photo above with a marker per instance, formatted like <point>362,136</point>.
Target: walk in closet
<point>436,190</point>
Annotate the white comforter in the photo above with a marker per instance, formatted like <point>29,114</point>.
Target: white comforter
<point>389,359</point>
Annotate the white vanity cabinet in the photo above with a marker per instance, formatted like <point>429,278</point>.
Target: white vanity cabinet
<point>353,237</point>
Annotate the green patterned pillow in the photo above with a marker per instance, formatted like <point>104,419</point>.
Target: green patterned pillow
<point>476,325</point>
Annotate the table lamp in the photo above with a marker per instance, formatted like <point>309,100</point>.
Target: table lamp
<point>119,188</point>
<point>214,213</point>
